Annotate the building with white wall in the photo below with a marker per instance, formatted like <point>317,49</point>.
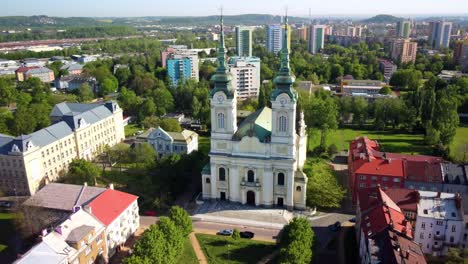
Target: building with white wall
<point>167,143</point>
<point>246,79</point>
<point>439,223</point>
<point>260,162</point>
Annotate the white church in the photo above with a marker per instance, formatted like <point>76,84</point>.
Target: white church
<point>260,162</point>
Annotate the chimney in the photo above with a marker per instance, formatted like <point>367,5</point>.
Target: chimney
<point>438,194</point>
<point>458,200</point>
<point>407,254</point>
<point>111,186</point>
<point>58,229</point>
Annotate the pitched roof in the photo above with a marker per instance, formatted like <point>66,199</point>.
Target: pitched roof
<point>78,225</point>
<point>52,249</point>
<point>257,124</point>
<point>110,204</point>
<point>406,199</point>
<point>63,197</point>
<point>423,171</point>
<point>382,167</point>
<point>390,247</point>
<point>79,233</point>
<point>25,69</point>
<point>74,113</point>
<point>454,173</point>
<point>39,70</point>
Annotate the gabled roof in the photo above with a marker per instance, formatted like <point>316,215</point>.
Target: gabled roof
<point>382,167</point>
<point>77,226</point>
<point>258,124</point>
<point>63,197</point>
<point>109,205</point>
<point>454,173</point>
<point>52,249</point>
<point>390,247</point>
<point>78,233</point>
<point>406,199</point>
<point>423,171</point>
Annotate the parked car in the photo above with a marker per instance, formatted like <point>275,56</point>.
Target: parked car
<point>353,220</point>
<point>5,204</point>
<point>335,227</point>
<point>225,232</point>
<point>247,234</point>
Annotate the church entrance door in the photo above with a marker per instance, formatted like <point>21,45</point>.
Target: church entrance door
<point>280,202</point>
<point>222,196</point>
<point>251,197</point>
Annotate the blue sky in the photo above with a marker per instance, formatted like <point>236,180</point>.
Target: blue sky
<point>102,8</point>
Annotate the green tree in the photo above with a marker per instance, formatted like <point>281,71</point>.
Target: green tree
<point>129,101</point>
<point>84,93</point>
<point>385,90</point>
<point>7,92</point>
<point>428,101</point>
<point>55,66</point>
<point>6,121</point>
<point>170,125</point>
<point>359,110</point>
<point>454,256</point>
<point>150,121</point>
<point>81,171</point>
<point>181,219</point>
<point>148,108</point>
<point>41,114</point>
<point>323,189</point>
<point>163,100</point>
<point>109,85</point>
<point>24,122</point>
<point>446,119</point>
<point>143,153</point>
<point>296,242</point>
<point>321,112</point>
<point>236,234</point>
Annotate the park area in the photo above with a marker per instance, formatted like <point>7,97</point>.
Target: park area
<point>392,141</point>
<point>220,250</point>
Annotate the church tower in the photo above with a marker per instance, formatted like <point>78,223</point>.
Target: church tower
<point>223,97</point>
<point>283,100</point>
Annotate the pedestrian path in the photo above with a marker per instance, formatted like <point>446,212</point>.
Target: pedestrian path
<point>196,247</point>
<point>236,221</point>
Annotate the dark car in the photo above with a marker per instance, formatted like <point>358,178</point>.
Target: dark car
<point>247,234</point>
<point>353,220</point>
<point>335,227</point>
<point>5,204</point>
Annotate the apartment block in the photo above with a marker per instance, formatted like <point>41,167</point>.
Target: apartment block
<point>388,68</point>
<point>302,33</point>
<point>274,38</point>
<point>29,161</point>
<point>460,54</point>
<point>246,79</point>
<point>354,31</point>
<point>316,38</point>
<point>439,36</point>
<point>244,41</point>
<point>43,73</point>
<point>404,51</point>
<point>403,28</point>
<point>181,63</point>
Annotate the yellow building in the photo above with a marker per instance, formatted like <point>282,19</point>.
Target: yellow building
<point>78,131</point>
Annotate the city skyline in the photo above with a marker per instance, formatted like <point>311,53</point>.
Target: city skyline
<point>137,8</point>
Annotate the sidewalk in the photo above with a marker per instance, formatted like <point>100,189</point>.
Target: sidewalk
<point>196,247</point>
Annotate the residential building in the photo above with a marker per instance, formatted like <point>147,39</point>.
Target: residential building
<point>54,202</point>
<point>354,87</point>
<point>449,75</point>
<point>78,131</point>
<point>260,162</point>
<point>302,33</point>
<point>404,51</point>
<point>246,79</point>
<point>167,143</point>
<point>345,41</point>
<point>305,86</point>
<point>255,61</point>
<point>460,54</point>
<point>316,38</point>
<point>73,82</point>
<point>118,211</point>
<point>439,223</point>
<point>44,74</point>
<point>274,37</point>
<point>244,41</point>
<point>354,31</point>
<point>72,68</point>
<point>181,63</point>
<point>455,178</point>
<point>86,58</point>
<point>329,30</point>
<point>439,36</point>
<point>407,200</point>
<point>214,36</point>
<point>369,167</point>
<point>388,68</point>
<point>120,66</point>
<point>179,69</point>
<point>403,28</point>
<point>382,231</point>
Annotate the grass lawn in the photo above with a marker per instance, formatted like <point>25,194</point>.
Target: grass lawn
<point>390,141</point>
<point>216,249</point>
<point>6,216</point>
<point>459,146</point>
<point>204,144</point>
<point>187,255</point>
<point>2,247</point>
<point>131,129</point>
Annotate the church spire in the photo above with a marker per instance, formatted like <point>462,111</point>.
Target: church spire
<point>285,79</point>
<point>222,77</point>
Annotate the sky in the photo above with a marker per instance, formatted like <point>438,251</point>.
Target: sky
<point>120,8</point>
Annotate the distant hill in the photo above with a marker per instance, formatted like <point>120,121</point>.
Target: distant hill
<point>46,21</point>
<point>248,19</point>
<point>382,19</point>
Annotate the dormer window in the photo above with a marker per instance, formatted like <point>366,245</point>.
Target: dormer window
<point>15,148</point>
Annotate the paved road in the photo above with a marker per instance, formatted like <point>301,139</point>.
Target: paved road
<point>263,234</point>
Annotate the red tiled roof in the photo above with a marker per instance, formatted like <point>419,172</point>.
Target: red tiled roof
<point>406,199</point>
<point>25,69</point>
<point>390,247</point>
<point>382,167</point>
<point>110,204</point>
<point>379,212</point>
<point>423,171</point>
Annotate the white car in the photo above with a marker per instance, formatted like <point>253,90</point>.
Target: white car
<point>225,232</point>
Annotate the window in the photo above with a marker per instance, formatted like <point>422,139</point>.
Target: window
<point>222,174</point>
<point>250,176</point>
<point>282,123</point>
<point>396,180</point>
<point>384,179</point>
<point>362,185</point>
<point>220,120</point>
<point>362,177</point>
<point>421,236</point>
<point>430,235</point>
<point>439,222</point>
<point>280,178</point>
<point>452,239</point>
<point>298,188</point>
<point>374,178</point>
<point>453,228</point>
<point>207,180</point>
<point>423,225</point>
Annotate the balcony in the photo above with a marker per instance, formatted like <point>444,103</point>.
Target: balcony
<point>439,237</point>
<point>250,184</point>
<point>451,244</point>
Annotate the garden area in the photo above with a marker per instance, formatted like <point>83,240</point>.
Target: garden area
<point>7,233</point>
<point>187,254</point>
<point>218,249</point>
<point>459,146</point>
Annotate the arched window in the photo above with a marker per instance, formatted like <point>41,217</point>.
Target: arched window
<point>208,180</point>
<point>220,120</point>
<point>298,188</point>
<point>222,174</point>
<point>280,178</point>
<point>282,123</point>
<point>250,176</point>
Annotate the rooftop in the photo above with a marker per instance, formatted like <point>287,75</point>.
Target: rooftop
<point>110,204</point>
<point>52,249</point>
<point>63,197</point>
<point>438,205</point>
<point>390,247</point>
<point>257,124</point>
<point>77,226</point>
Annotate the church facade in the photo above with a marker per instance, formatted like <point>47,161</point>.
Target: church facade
<point>260,161</point>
